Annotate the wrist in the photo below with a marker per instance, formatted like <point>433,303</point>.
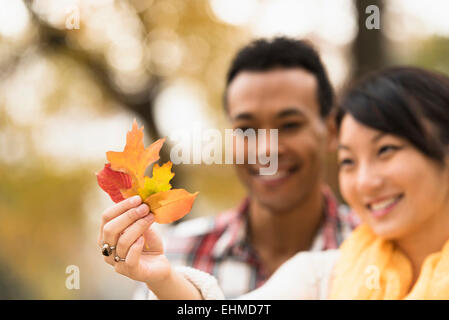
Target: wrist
<point>174,286</point>
<point>163,280</point>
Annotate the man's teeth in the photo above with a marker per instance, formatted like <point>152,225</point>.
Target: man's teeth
<point>278,175</point>
<point>383,204</point>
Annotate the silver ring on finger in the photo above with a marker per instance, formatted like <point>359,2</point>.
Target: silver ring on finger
<point>118,259</point>
<point>106,250</point>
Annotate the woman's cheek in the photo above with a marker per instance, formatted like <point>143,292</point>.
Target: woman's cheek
<point>347,188</point>
<point>348,191</point>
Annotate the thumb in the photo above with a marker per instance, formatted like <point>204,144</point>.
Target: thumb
<point>153,242</point>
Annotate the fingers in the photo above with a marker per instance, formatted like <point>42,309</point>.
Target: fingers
<point>117,210</point>
<point>152,242</point>
<point>129,267</point>
<point>121,207</point>
<point>132,233</point>
<point>113,228</point>
<point>127,238</point>
<point>134,252</point>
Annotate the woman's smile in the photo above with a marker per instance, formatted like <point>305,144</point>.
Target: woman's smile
<point>380,207</point>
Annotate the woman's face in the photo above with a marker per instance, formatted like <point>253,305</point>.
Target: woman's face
<point>392,185</point>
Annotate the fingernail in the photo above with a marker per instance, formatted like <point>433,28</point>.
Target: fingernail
<point>149,217</point>
<point>135,200</point>
<point>143,209</point>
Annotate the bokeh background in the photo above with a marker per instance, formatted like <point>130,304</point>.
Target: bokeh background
<point>75,73</point>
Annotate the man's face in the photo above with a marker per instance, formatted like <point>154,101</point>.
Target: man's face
<point>287,100</point>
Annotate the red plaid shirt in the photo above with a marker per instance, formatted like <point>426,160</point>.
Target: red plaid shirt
<point>219,245</point>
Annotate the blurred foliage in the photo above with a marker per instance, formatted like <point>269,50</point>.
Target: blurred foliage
<point>42,212</point>
<point>57,74</point>
<point>432,53</point>
<point>109,70</point>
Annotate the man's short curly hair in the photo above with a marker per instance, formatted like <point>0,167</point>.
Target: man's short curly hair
<point>282,52</point>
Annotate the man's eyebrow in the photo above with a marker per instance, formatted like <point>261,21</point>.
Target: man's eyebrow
<point>289,112</point>
<point>342,146</point>
<point>281,114</point>
<point>244,116</point>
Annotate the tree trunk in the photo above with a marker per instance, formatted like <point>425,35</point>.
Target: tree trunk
<point>369,45</point>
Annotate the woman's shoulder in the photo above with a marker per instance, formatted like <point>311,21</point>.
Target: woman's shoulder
<point>312,271</point>
<point>315,260</point>
<point>306,275</point>
<point>317,266</point>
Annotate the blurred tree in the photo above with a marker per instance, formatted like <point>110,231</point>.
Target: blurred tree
<point>369,44</point>
<point>43,206</point>
<point>56,40</point>
<point>205,45</point>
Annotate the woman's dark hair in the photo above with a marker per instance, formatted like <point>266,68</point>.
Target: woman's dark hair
<point>407,102</point>
<point>282,52</point>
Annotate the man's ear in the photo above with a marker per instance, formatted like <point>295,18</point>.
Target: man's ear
<point>331,127</point>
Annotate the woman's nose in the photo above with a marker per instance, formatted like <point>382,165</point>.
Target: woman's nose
<point>369,179</point>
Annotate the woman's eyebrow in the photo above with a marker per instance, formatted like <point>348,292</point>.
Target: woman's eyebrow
<point>377,137</point>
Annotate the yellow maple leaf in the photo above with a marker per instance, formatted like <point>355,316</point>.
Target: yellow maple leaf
<point>124,177</point>
<point>159,181</point>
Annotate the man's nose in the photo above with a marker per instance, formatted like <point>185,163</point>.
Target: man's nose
<point>268,143</point>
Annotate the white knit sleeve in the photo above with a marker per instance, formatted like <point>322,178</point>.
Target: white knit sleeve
<point>206,284</point>
<point>305,276</point>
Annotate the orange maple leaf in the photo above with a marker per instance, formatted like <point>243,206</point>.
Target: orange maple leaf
<point>135,159</point>
<point>169,206</point>
<point>124,176</point>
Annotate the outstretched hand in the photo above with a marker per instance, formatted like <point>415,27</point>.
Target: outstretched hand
<point>138,252</point>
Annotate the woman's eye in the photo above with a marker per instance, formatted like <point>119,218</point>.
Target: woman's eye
<point>345,162</point>
<point>387,148</point>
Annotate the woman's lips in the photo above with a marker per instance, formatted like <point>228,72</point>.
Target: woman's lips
<point>382,207</point>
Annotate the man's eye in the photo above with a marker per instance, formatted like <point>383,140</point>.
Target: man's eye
<point>290,125</point>
<point>244,129</point>
<point>387,148</point>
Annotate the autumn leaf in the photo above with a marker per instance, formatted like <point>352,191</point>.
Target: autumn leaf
<point>134,159</point>
<point>169,206</point>
<point>124,177</point>
<point>113,182</point>
<point>159,181</point>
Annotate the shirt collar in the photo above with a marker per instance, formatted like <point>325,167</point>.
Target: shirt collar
<point>233,239</point>
<point>327,235</point>
<point>234,235</point>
